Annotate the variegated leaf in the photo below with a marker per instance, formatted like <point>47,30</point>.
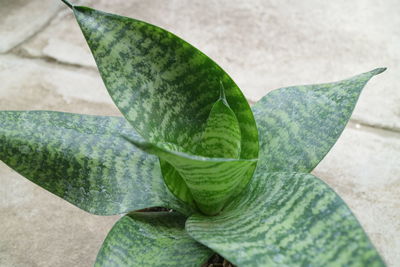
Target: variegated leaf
<point>164,86</point>
<point>221,137</point>
<point>286,219</point>
<point>151,239</point>
<point>84,160</point>
<point>166,89</point>
<point>298,125</point>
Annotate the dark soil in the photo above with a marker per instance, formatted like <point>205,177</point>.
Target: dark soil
<point>217,261</point>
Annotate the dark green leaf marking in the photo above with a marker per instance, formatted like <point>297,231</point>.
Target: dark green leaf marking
<point>286,219</point>
<point>84,160</point>
<point>151,239</point>
<point>298,125</point>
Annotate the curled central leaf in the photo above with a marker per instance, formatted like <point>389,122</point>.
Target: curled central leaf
<point>207,180</point>
<point>188,111</point>
<point>221,137</point>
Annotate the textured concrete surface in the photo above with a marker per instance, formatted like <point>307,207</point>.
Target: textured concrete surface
<point>39,229</point>
<point>21,19</point>
<point>37,84</point>
<point>263,45</point>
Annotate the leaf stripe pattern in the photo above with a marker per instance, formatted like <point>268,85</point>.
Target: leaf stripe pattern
<point>221,138</point>
<point>176,184</point>
<point>212,181</point>
<point>164,86</point>
<point>286,219</point>
<point>84,160</point>
<point>298,125</point>
<point>151,239</point>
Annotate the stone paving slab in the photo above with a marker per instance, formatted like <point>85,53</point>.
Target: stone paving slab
<point>21,19</point>
<point>36,84</point>
<point>62,41</point>
<point>267,44</point>
<point>40,229</point>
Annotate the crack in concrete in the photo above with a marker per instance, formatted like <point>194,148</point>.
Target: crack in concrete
<point>34,33</point>
<point>54,61</point>
<point>51,60</point>
<point>393,129</point>
<point>385,133</point>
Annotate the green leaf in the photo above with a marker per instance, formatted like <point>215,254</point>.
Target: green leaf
<point>298,125</point>
<point>151,239</point>
<point>286,219</point>
<point>84,160</point>
<point>163,86</point>
<point>167,90</point>
<point>221,137</point>
<point>212,181</point>
<point>176,184</point>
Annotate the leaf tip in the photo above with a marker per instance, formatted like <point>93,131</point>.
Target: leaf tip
<point>68,3</point>
<point>378,70</point>
<point>222,93</point>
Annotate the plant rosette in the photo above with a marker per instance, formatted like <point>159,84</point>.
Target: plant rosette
<point>237,178</point>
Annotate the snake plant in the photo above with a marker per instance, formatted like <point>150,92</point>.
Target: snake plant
<point>237,178</point>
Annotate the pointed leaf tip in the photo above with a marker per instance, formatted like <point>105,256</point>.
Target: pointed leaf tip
<point>222,91</point>
<point>378,70</point>
<point>67,3</point>
<point>289,114</point>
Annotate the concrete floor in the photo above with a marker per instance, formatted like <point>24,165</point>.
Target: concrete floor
<point>263,45</point>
